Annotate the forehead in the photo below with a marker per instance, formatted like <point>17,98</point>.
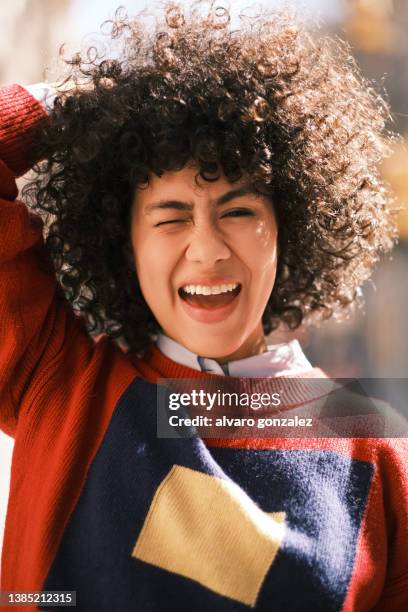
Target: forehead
<point>184,185</point>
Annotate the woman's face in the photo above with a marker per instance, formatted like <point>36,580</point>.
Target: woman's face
<point>215,238</point>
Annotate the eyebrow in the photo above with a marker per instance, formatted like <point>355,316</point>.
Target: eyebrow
<point>180,205</point>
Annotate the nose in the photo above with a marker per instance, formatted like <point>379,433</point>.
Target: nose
<point>207,245</point>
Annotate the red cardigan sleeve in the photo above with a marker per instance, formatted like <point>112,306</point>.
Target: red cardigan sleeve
<point>394,473</point>
<point>35,318</point>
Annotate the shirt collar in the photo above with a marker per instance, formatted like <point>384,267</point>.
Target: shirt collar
<point>280,359</point>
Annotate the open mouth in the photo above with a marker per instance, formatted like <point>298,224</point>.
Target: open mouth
<point>212,301</point>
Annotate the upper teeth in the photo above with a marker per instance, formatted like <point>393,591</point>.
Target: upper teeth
<point>205,290</point>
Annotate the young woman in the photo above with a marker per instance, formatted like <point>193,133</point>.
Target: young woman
<point>198,190</point>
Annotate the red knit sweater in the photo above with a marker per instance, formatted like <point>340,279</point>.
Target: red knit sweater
<point>59,395</point>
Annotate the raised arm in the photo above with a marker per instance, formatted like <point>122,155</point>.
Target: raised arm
<point>35,318</point>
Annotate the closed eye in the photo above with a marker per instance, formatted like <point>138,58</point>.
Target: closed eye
<point>238,212</point>
<point>171,221</point>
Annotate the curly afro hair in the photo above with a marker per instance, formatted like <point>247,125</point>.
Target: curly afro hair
<point>264,100</point>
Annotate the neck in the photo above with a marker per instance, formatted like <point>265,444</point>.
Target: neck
<point>248,349</point>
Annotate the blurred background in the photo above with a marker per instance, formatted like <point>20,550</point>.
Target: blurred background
<point>373,343</point>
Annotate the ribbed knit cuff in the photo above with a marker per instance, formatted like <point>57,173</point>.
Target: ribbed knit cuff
<point>20,114</point>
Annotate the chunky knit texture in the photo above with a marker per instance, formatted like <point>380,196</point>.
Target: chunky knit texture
<point>100,505</point>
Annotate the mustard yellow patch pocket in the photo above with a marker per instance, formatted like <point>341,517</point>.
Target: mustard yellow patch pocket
<point>207,529</point>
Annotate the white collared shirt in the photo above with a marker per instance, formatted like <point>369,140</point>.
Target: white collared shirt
<point>279,360</point>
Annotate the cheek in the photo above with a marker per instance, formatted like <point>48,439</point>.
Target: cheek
<point>266,234</point>
<point>153,267</point>
<point>145,261</point>
<point>262,251</point>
